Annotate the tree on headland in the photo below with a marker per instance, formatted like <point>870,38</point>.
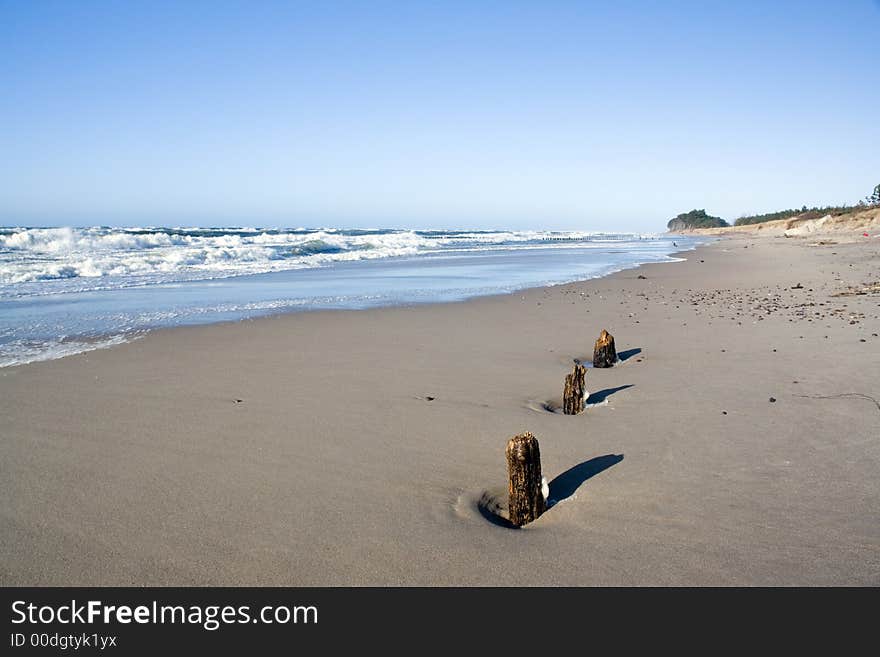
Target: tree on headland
<point>695,219</point>
<point>874,199</point>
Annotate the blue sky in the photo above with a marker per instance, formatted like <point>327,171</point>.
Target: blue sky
<point>580,115</point>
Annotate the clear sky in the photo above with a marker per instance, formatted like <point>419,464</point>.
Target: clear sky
<point>542,114</point>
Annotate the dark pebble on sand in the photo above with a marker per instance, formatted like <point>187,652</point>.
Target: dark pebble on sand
<point>773,400</point>
<point>723,412</point>
<point>430,398</point>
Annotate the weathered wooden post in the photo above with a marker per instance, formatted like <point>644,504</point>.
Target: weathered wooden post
<point>526,496</point>
<point>604,353</point>
<point>575,393</point>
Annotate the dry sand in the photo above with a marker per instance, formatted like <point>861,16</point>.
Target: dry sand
<point>138,464</point>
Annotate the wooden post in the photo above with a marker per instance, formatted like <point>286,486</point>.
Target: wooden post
<point>575,393</point>
<point>526,501</point>
<point>604,353</point>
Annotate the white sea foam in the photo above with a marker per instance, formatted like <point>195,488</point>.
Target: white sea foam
<point>22,352</point>
<point>145,256</point>
<point>110,284</point>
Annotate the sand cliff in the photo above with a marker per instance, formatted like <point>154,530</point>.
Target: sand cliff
<point>844,227</point>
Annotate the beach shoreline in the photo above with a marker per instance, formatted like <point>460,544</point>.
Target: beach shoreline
<point>350,447</point>
<point>47,319</point>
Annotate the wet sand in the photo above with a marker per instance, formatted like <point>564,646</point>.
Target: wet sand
<point>352,447</point>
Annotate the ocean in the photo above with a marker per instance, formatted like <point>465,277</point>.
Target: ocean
<point>69,290</point>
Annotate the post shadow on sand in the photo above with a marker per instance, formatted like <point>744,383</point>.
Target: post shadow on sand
<point>566,484</point>
<point>622,357</point>
<point>562,487</point>
<point>629,353</point>
<point>601,395</point>
<point>598,397</point>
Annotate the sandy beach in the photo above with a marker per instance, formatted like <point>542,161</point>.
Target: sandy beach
<point>352,447</point>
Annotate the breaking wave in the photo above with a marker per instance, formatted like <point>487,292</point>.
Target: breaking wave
<point>80,259</point>
<point>66,291</point>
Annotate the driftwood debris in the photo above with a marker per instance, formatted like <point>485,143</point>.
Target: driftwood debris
<point>526,501</point>
<point>604,353</point>
<point>575,394</point>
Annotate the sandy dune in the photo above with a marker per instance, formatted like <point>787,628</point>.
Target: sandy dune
<point>846,227</point>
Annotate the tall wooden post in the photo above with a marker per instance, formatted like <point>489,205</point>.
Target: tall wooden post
<point>604,353</point>
<point>526,500</point>
<point>575,394</point>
